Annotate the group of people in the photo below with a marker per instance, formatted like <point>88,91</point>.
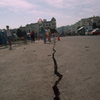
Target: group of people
<point>44,33</point>
<point>48,33</point>
<point>6,37</point>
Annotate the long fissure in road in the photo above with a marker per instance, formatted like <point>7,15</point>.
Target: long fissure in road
<point>55,86</point>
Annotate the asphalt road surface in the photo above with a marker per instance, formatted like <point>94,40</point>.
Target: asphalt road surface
<point>27,71</point>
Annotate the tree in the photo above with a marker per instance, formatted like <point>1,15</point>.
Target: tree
<point>94,25</point>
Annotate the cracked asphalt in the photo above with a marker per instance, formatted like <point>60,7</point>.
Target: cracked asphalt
<point>27,72</point>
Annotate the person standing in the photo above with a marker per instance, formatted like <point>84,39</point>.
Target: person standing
<point>9,37</point>
<point>33,36</point>
<point>48,34</point>
<point>24,34</point>
<point>43,32</point>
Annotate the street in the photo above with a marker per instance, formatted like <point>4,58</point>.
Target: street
<point>27,71</point>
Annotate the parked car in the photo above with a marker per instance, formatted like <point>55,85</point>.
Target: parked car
<point>88,32</point>
<point>96,31</point>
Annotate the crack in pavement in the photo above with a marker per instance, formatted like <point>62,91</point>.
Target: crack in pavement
<point>55,86</point>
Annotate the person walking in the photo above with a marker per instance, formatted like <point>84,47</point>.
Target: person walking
<point>9,37</point>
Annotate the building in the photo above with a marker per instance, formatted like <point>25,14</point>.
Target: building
<point>87,23</point>
<point>41,23</point>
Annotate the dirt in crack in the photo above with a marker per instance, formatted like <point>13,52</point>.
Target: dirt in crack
<point>55,86</point>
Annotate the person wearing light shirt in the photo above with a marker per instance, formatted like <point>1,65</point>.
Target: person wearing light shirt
<point>9,37</point>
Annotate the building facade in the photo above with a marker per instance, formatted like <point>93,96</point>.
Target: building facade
<point>41,23</point>
<point>87,23</point>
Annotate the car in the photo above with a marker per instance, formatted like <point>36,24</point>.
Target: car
<point>88,32</point>
<point>96,31</point>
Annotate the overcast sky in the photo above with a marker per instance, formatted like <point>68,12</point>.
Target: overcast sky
<point>21,12</point>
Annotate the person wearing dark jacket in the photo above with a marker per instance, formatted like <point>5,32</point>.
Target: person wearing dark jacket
<point>33,36</point>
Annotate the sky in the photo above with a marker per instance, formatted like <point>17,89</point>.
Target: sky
<point>16,13</point>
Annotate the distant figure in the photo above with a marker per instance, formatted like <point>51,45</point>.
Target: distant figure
<point>9,37</point>
<point>55,34</point>
<point>33,36</point>
<point>43,32</point>
<point>48,33</point>
<point>25,36</point>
